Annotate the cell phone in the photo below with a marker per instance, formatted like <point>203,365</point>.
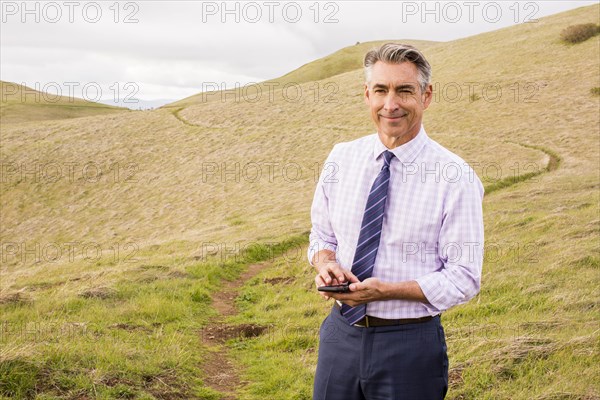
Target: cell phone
<point>343,288</point>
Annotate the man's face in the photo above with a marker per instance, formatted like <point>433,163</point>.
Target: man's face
<point>396,101</point>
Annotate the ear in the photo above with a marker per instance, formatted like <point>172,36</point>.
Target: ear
<point>366,94</point>
<point>427,96</point>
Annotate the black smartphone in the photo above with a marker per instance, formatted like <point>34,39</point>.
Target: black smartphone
<point>343,288</point>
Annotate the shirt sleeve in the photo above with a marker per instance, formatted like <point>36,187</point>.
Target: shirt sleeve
<point>460,247</point>
<point>321,234</point>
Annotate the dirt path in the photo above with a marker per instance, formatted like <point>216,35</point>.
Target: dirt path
<point>220,373</point>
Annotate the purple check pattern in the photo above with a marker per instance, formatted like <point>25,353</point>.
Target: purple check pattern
<point>433,227</point>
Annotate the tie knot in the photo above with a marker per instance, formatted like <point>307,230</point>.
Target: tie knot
<point>387,157</point>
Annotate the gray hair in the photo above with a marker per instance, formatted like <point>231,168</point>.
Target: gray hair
<point>395,53</point>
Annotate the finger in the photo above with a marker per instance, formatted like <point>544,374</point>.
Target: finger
<point>341,274</point>
<point>324,295</point>
<point>325,276</point>
<point>319,281</point>
<point>344,275</point>
<point>351,277</point>
<point>342,296</point>
<point>345,299</point>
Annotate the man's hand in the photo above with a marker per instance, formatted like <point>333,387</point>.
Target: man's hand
<point>330,272</point>
<point>371,289</point>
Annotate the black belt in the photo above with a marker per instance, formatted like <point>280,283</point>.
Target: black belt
<point>369,320</point>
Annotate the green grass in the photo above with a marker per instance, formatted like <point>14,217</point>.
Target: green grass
<point>138,341</point>
<point>513,341</point>
<point>553,163</point>
<point>292,313</point>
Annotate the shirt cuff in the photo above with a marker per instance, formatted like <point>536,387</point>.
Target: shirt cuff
<point>317,246</point>
<point>434,292</point>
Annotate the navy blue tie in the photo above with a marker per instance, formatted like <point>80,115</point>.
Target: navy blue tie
<point>370,233</point>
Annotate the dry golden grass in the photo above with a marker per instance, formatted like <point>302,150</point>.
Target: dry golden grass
<point>160,197</point>
<point>22,104</point>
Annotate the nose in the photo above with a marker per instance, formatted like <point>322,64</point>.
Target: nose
<point>391,103</point>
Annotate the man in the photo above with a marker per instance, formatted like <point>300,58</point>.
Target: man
<point>398,218</point>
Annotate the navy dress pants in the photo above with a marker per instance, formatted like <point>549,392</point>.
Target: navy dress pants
<point>402,362</point>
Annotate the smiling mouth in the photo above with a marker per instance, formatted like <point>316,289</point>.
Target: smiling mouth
<point>393,117</point>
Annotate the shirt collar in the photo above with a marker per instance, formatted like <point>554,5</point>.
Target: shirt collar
<point>407,152</point>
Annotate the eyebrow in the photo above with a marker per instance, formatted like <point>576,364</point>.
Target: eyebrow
<point>399,87</point>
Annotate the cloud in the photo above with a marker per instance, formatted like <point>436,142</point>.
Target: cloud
<point>176,46</point>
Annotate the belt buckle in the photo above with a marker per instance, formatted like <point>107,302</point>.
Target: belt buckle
<point>366,325</point>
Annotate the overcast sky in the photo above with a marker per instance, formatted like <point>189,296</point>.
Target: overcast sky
<point>170,49</point>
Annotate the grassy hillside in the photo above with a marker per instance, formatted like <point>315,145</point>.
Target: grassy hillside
<point>347,59</point>
<point>111,267</point>
<point>19,103</point>
<point>344,60</point>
